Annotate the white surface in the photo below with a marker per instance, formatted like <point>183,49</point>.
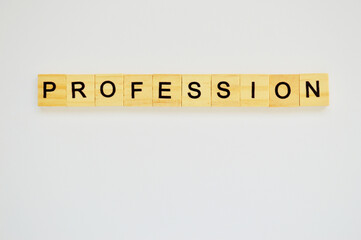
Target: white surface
<point>179,173</point>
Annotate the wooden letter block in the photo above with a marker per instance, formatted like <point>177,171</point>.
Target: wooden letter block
<point>284,90</point>
<point>109,89</point>
<point>254,90</point>
<point>225,90</point>
<point>167,90</point>
<point>196,90</point>
<point>138,90</point>
<point>80,90</point>
<point>51,90</point>
<point>314,89</point>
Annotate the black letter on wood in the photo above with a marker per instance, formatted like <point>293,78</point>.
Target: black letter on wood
<point>223,89</point>
<point>73,89</point>
<point>45,89</point>
<point>194,89</point>
<point>163,89</point>
<point>136,89</point>
<point>253,89</point>
<point>102,89</point>
<point>316,92</point>
<point>288,90</point>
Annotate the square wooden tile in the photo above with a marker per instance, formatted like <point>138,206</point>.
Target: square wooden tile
<point>254,90</point>
<point>167,90</point>
<point>196,90</point>
<point>138,90</point>
<point>51,90</point>
<point>225,90</point>
<point>314,89</point>
<point>109,89</point>
<point>284,90</point>
<point>80,90</point>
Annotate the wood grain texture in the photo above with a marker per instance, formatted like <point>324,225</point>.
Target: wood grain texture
<point>78,100</point>
<point>52,98</point>
<point>175,90</point>
<point>141,98</point>
<point>201,82</point>
<point>311,99</point>
<point>283,99</point>
<point>102,82</point>
<point>167,90</point>
<point>254,90</point>
<point>219,82</point>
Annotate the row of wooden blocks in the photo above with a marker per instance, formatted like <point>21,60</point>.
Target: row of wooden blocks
<point>286,90</point>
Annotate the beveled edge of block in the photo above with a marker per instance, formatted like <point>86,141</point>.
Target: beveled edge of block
<point>142,74</point>
<point>109,74</point>
<point>164,74</point>
<point>292,74</point>
<point>197,74</point>
<point>42,74</point>
<point>80,75</point>
<point>314,74</point>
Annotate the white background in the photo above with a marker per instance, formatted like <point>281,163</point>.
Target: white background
<point>179,173</point>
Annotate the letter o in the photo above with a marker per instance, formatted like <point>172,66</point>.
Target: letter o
<point>288,90</point>
<point>102,89</point>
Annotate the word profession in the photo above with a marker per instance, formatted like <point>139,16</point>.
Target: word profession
<point>175,90</point>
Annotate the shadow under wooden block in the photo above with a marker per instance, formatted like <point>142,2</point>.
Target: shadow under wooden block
<point>167,91</point>
<point>80,90</point>
<point>225,90</point>
<point>109,89</point>
<point>314,89</point>
<point>196,90</point>
<point>51,90</point>
<point>254,90</point>
<point>138,90</point>
<point>284,90</point>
